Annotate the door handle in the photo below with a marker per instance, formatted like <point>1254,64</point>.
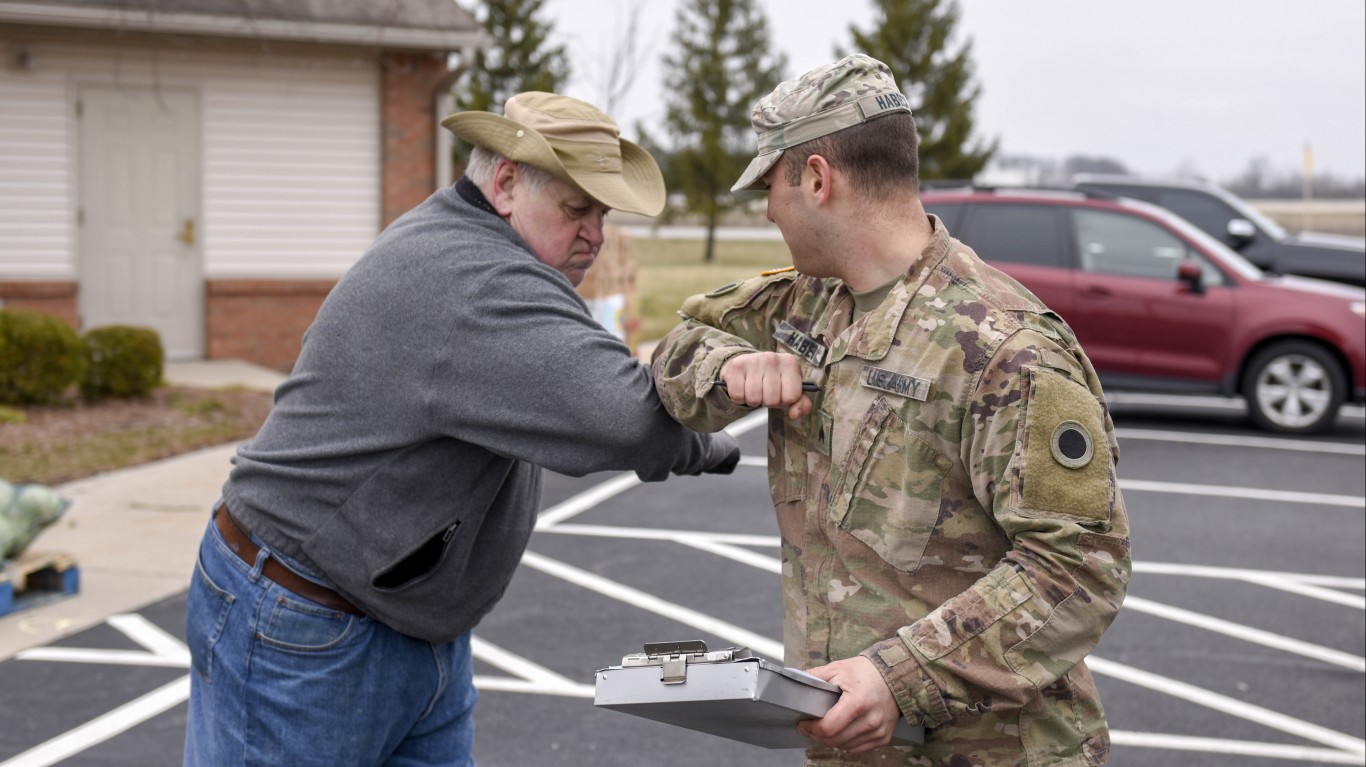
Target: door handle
<point>187,232</point>
<point>1095,291</point>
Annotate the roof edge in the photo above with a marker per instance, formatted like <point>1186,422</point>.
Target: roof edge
<point>227,26</point>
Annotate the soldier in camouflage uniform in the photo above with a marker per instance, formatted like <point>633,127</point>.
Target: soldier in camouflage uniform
<point>953,540</point>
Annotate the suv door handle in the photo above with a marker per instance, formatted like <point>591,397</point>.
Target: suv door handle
<point>1096,291</point>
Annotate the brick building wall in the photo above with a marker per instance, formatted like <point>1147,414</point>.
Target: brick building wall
<point>408,130</point>
<point>57,298</point>
<point>261,321</point>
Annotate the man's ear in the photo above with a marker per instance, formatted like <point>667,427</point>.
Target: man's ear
<point>503,187</point>
<point>816,179</point>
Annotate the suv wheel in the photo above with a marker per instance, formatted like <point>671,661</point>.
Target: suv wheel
<point>1294,387</point>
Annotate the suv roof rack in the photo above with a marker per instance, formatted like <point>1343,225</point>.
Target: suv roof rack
<point>948,183</point>
<point>937,185</point>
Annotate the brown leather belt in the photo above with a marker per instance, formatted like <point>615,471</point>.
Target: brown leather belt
<point>240,542</point>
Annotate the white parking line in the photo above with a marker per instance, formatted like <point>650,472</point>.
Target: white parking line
<point>1251,493</point>
<point>103,657</point>
<point>1234,440</point>
<point>662,534</point>
<point>622,482</point>
<point>742,637</point>
<point>753,559</point>
<point>1246,633</point>
<point>102,728</point>
<point>1232,706</point>
<point>1327,595</point>
<point>586,500</point>
<point>1303,584</point>
<point>1241,574</point>
<point>533,677</point>
<point>1210,401</point>
<point>163,649</point>
<point>1236,747</point>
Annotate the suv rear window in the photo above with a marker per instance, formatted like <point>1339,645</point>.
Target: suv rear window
<point>1200,209</point>
<point>1021,234</point>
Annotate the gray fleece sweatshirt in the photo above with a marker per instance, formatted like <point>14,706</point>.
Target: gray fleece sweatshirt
<point>401,459</point>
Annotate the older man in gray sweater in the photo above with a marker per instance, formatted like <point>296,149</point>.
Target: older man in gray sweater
<point>381,510</point>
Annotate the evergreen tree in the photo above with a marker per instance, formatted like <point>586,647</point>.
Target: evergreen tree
<point>913,38</point>
<point>720,65</point>
<point>521,58</point>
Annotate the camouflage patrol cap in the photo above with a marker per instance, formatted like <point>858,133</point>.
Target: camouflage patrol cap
<point>849,92</point>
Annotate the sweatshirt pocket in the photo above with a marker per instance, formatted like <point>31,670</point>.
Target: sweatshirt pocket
<point>424,559</point>
<point>368,549</point>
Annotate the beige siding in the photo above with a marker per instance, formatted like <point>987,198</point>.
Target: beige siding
<point>290,152</point>
<point>36,182</point>
<point>291,175</point>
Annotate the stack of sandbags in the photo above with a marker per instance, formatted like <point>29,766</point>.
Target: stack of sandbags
<point>25,511</point>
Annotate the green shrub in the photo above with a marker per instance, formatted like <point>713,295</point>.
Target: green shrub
<point>40,358</point>
<point>123,361</point>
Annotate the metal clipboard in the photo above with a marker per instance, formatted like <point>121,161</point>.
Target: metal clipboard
<point>728,693</point>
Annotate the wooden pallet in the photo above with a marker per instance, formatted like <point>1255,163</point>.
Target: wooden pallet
<point>35,578</point>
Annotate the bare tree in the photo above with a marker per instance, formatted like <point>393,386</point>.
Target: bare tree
<point>620,63</point>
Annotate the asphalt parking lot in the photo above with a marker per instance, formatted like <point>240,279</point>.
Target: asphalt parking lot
<point>1241,641</point>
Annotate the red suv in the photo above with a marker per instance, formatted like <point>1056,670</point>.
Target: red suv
<point>1159,305</point>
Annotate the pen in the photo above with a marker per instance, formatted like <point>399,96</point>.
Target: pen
<point>806,385</point>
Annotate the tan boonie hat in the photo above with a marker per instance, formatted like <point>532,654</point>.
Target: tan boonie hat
<point>574,142</point>
<point>851,91</point>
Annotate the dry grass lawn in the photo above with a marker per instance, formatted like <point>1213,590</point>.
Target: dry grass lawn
<point>668,271</point>
<point>58,443</point>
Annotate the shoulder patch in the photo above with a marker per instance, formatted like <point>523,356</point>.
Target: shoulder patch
<point>714,307</point>
<point>1072,445</point>
<point>1059,471</point>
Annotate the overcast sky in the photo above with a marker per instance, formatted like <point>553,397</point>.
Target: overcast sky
<point>1160,85</point>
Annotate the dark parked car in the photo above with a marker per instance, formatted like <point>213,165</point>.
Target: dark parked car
<point>1161,306</point>
<point>1238,225</point>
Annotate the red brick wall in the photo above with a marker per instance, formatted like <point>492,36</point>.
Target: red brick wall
<point>408,130</point>
<point>261,321</point>
<point>55,298</point>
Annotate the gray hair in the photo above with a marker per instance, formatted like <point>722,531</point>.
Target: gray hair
<point>483,162</point>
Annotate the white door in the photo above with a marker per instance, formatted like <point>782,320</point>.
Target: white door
<point>140,226</point>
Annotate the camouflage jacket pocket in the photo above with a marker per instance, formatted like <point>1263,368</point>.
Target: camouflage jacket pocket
<point>889,488</point>
<point>787,470</point>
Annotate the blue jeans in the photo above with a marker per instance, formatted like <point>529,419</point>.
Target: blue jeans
<point>280,680</point>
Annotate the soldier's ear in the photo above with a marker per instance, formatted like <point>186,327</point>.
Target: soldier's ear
<point>816,179</point>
